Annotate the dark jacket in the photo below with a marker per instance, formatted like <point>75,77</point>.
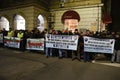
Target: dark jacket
<point>117,43</point>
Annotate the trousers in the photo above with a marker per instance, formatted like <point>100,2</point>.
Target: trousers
<point>48,51</point>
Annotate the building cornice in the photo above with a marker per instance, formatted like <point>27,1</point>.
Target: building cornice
<point>77,7</point>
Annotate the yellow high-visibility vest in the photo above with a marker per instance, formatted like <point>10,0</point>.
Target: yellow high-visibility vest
<point>20,35</point>
<point>10,34</point>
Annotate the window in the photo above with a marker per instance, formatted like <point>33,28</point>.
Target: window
<point>19,22</point>
<point>40,23</point>
<point>4,23</point>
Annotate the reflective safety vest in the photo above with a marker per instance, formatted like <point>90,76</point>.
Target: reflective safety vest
<point>20,35</point>
<point>10,34</point>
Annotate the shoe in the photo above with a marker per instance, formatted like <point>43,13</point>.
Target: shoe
<point>73,59</point>
<point>60,57</point>
<point>78,59</point>
<point>112,62</point>
<point>93,61</point>
<point>46,56</point>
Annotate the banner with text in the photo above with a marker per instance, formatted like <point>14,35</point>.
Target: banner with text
<point>13,42</point>
<point>1,38</point>
<point>98,45</point>
<point>68,42</point>
<point>35,44</point>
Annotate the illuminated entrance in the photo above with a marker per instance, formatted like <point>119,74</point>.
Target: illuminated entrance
<point>4,23</point>
<point>40,23</point>
<point>70,20</point>
<point>19,22</point>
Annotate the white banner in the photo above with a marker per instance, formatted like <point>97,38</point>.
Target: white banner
<point>68,42</point>
<point>35,44</point>
<point>1,38</point>
<point>13,42</point>
<point>98,45</point>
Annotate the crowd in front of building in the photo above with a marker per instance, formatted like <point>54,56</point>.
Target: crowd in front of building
<point>79,53</point>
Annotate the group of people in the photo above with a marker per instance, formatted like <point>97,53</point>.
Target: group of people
<point>79,53</point>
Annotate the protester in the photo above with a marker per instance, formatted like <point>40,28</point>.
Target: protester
<point>116,54</point>
<point>76,54</point>
<point>20,35</point>
<point>49,50</point>
<point>10,33</point>
<point>87,56</point>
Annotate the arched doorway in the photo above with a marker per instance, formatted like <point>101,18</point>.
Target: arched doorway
<point>19,22</point>
<point>4,23</point>
<point>41,23</point>
<point>70,20</point>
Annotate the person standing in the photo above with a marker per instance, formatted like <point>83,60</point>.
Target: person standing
<point>49,50</point>
<point>10,33</point>
<point>87,54</point>
<point>116,54</point>
<point>20,35</point>
<point>76,54</point>
<point>4,32</point>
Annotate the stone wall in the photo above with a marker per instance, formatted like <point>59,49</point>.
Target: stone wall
<point>45,14</point>
<point>30,15</point>
<point>73,3</point>
<point>26,12</point>
<point>90,14</point>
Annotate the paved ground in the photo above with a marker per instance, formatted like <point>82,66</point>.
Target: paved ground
<point>17,65</point>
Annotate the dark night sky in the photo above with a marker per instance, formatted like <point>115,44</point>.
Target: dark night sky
<point>115,8</point>
<point>115,13</point>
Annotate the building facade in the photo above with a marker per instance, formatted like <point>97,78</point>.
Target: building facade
<point>17,13</point>
<point>90,12</point>
<point>29,10</point>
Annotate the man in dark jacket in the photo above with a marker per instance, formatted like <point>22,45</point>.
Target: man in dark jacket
<point>76,54</point>
<point>116,54</point>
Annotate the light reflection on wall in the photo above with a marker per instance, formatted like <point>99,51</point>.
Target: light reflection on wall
<point>4,23</point>
<point>40,23</point>
<point>19,22</point>
<point>71,24</point>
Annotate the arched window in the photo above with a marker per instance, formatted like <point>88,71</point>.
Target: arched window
<point>71,22</point>
<point>19,22</point>
<point>4,23</point>
<point>40,23</point>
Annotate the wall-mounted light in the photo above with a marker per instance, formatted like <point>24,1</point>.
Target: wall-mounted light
<point>61,4</point>
<point>51,18</point>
